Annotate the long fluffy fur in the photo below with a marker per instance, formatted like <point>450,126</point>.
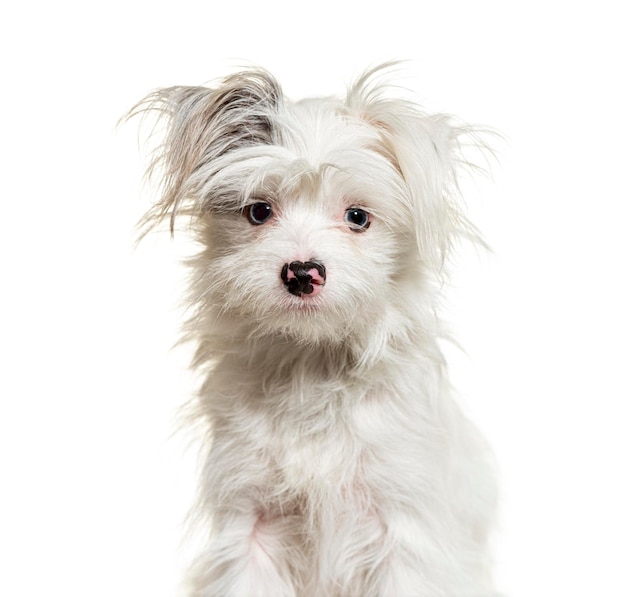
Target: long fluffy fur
<point>337,462</point>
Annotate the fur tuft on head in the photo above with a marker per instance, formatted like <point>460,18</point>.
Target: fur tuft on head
<point>427,151</point>
<point>202,126</point>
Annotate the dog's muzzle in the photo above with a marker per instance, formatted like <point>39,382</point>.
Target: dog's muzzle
<point>303,278</point>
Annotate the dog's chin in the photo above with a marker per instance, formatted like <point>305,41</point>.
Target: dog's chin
<point>305,305</point>
<point>308,320</point>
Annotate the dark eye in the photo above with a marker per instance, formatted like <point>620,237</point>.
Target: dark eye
<point>258,213</point>
<point>357,218</point>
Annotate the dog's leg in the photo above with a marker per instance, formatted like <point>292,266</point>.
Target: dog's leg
<point>385,551</point>
<point>435,557</point>
<point>253,554</point>
<point>360,555</point>
<point>349,547</point>
<point>425,558</point>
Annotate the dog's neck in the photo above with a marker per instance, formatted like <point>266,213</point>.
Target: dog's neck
<point>280,356</point>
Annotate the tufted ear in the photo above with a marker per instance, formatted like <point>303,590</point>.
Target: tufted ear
<point>203,125</point>
<point>426,150</point>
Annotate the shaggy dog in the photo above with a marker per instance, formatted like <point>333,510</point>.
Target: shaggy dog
<point>337,462</point>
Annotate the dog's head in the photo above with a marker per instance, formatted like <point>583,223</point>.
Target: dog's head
<point>316,217</point>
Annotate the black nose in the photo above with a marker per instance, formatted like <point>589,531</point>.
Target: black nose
<point>303,277</point>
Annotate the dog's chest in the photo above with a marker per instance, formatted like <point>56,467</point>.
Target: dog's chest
<point>317,450</point>
<point>314,461</point>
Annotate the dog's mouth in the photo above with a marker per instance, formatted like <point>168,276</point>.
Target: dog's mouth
<point>303,303</point>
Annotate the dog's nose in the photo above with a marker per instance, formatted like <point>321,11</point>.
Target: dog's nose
<point>303,277</point>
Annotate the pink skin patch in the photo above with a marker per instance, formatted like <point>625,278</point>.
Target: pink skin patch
<point>316,281</point>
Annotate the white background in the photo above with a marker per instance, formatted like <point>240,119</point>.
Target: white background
<point>93,487</point>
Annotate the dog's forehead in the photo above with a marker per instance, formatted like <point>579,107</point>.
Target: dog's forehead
<point>320,152</point>
<point>323,131</point>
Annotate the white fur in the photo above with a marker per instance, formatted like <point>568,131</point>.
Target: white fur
<point>337,462</point>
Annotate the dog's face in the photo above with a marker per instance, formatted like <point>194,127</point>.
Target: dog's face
<point>316,217</point>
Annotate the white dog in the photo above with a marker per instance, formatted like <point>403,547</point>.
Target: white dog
<point>337,462</point>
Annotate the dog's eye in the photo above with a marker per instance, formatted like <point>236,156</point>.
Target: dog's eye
<point>358,219</point>
<point>258,213</point>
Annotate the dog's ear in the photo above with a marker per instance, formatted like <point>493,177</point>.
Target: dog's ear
<point>426,150</point>
<point>203,125</point>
